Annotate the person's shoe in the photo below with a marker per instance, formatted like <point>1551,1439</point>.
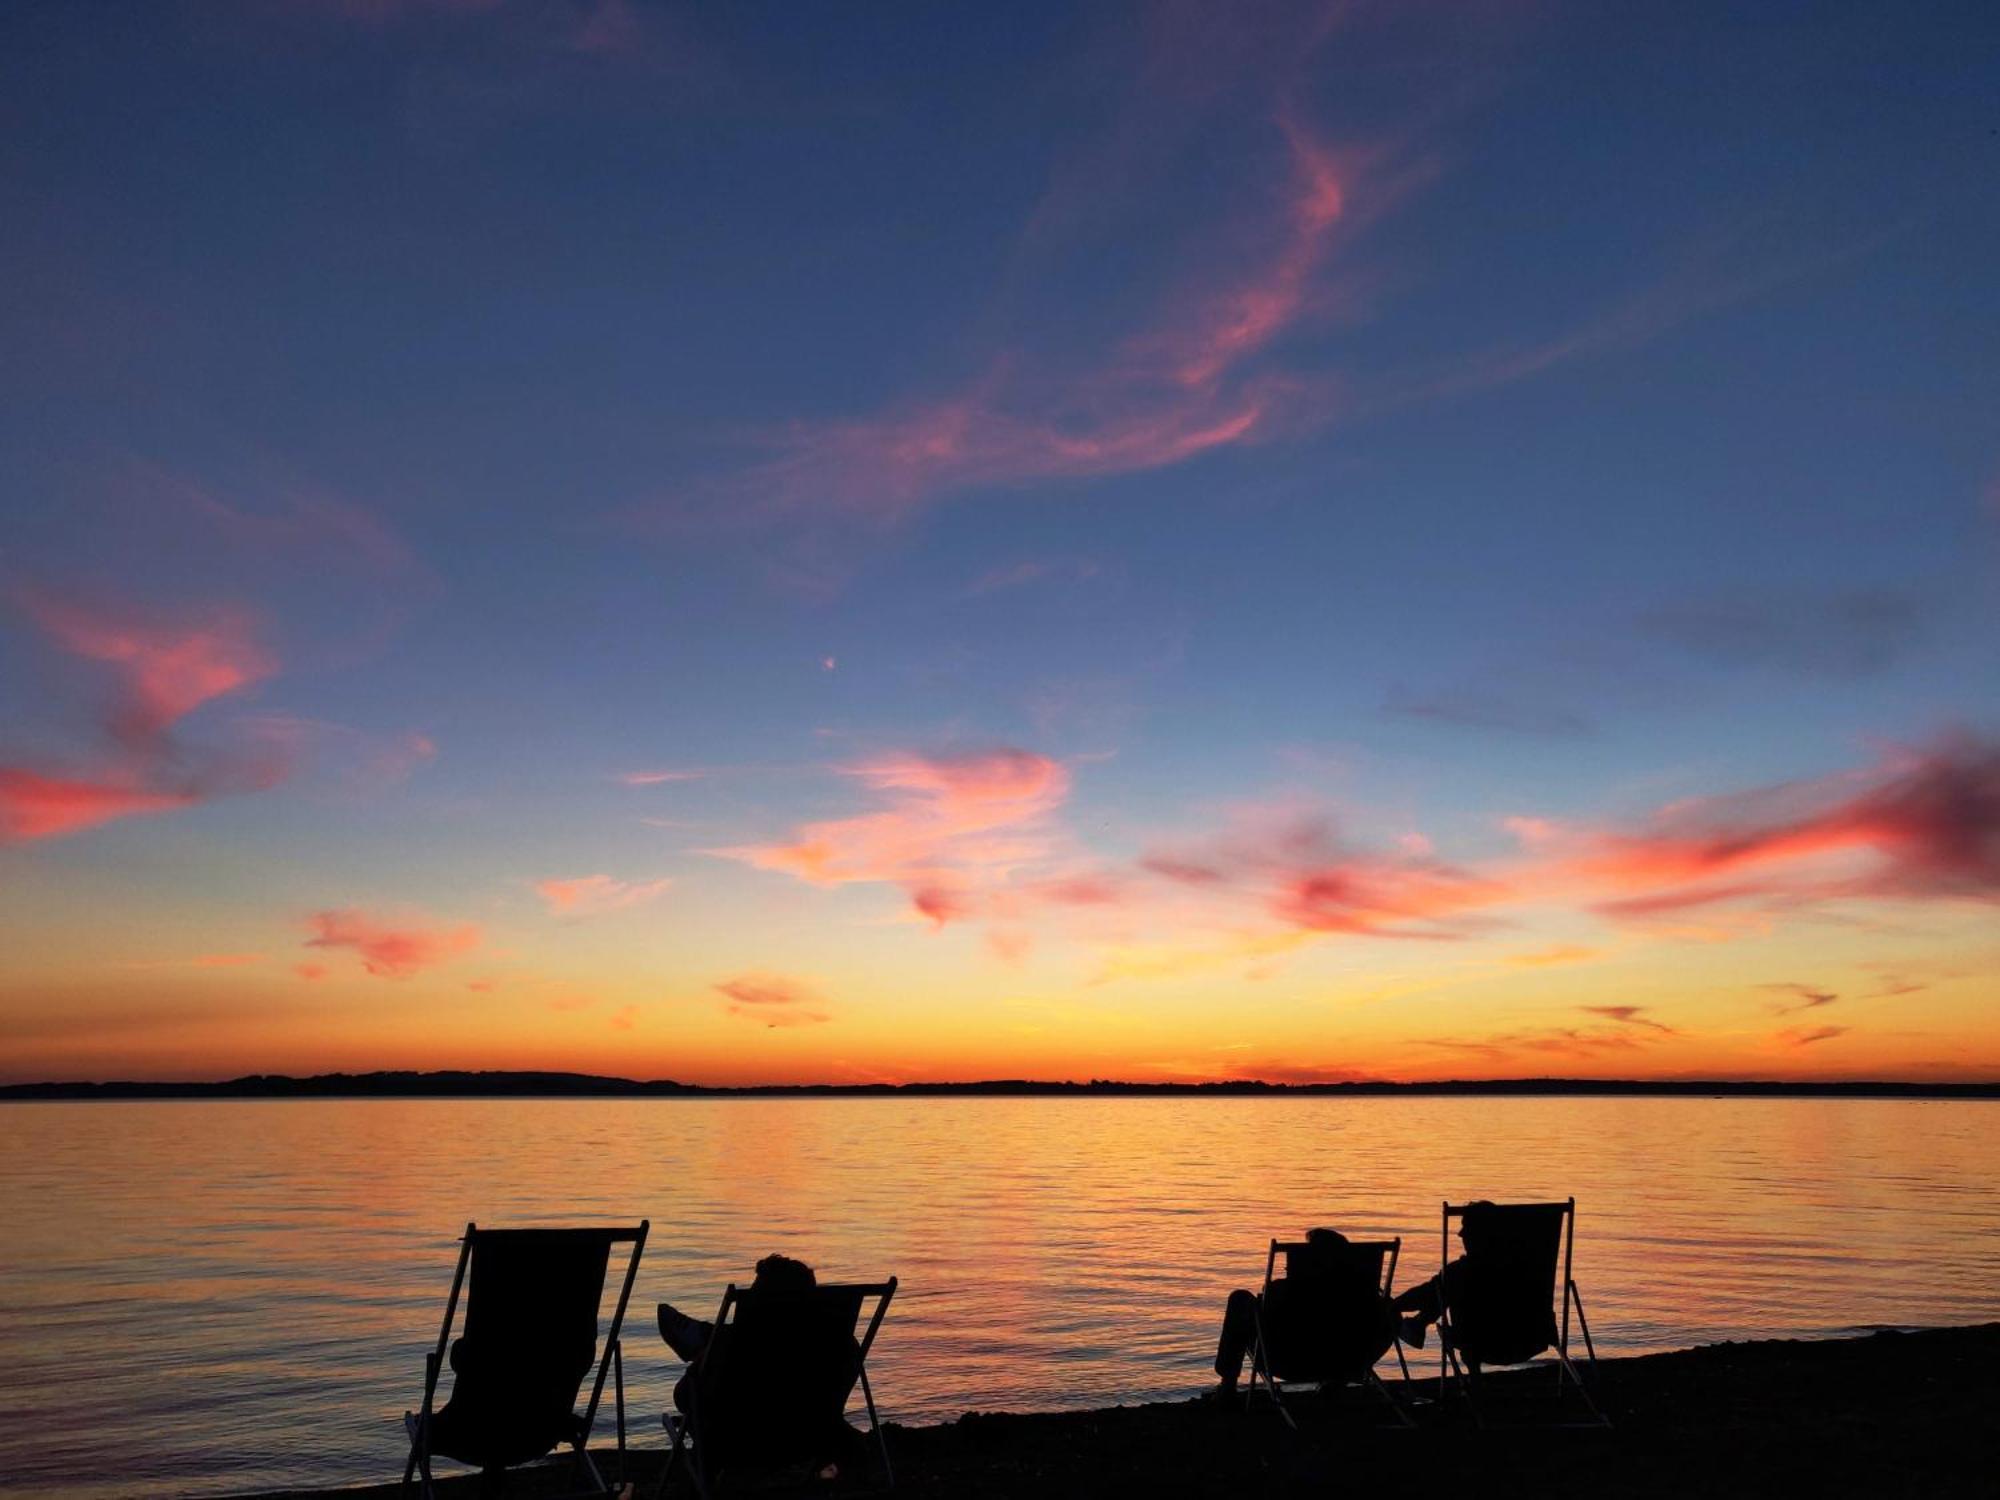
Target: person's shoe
<point>1413,1332</point>
<point>1223,1394</point>
<point>683,1334</point>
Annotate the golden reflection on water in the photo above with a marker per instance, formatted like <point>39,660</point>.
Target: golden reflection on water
<point>202,1297</point>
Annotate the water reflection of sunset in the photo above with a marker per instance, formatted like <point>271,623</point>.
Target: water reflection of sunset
<point>1052,1252</point>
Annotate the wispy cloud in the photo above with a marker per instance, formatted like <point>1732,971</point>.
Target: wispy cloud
<point>1805,997</point>
<point>1629,1015</point>
<point>164,669</point>
<point>1292,866</point>
<point>1195,379</point>
<point>351,759</point>
<point>388,948</point>
<point>660,777</point>
<point>1924,824</point>
<point>773,1000</point>
<point>1571,1042</point>
<point>1801,1036</point>
<point>34,806</point>
<point>594,895</point>
<point>1841,635</point>
<point>952,825</point>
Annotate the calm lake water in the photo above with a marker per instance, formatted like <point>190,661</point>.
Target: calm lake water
<point>198,1298</point>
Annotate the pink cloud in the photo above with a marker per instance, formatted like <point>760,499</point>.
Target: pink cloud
<point>953,823</point>
<point>1243,318</point>
<point>390,950</point>
<point>166,670</point>
<point>593,895</point>
<point>1171,392</point>
<point>163,672</point>
<point>355,760</point>
<point>624,1018</point>
<point>1289,865</point>
<point>310,972</point>
<point>1921,825</point>
<point>773,1000</point>
<point>314,526</point>
<point>34,806</point>
<point>1533,833</point>
<point>658,778</point>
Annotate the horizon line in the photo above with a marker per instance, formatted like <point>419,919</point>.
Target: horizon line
<point>554,1083</point>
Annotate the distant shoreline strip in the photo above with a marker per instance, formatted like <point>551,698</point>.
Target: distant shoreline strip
<point>512,1085</point>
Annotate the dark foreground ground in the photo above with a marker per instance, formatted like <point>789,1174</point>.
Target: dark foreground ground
<point>1889,1414</point>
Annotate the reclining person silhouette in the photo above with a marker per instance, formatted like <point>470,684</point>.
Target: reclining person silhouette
<point>1308,1316</point>
<point>779,1374</point>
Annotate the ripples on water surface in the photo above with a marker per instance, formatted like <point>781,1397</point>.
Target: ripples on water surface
<point>217,1296</point>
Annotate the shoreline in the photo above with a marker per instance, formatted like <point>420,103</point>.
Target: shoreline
<point>1879,1413</point>
<point>466,1084</point>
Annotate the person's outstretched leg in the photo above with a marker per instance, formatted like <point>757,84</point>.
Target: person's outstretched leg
<point>1239,1331</point>
<point>684,1335</point>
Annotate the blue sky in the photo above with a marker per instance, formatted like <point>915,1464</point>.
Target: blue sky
<point>421,415</point>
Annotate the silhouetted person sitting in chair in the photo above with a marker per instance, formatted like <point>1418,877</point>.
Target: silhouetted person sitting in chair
<point>781,1330</point>
<point>1490,1321</point>
<point>1294,1312</point>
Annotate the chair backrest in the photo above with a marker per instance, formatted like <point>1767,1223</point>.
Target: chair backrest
<point>773,1381</point>
<point>1503,1311</point>
<point>533,1299</point>
<point>1324,1319</point>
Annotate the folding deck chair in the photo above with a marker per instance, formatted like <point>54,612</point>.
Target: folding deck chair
<point>1502,1311</point>
<point>531,1319</point>
<point>772,1383</point>
<point>1326,1331</point>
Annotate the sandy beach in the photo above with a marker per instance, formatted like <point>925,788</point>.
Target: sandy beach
<point>1886,1414</point>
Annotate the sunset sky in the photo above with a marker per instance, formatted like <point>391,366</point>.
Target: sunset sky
<point>833,543</point>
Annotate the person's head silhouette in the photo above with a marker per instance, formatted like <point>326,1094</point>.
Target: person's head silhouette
<point>781,1276</point>
<point>1474,1223</point>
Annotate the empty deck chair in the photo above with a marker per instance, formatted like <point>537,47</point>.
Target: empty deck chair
<point>1501,1308</point>
<point>532,1304</point>
<point>1327,1324</point>
<point>770,1387</point>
